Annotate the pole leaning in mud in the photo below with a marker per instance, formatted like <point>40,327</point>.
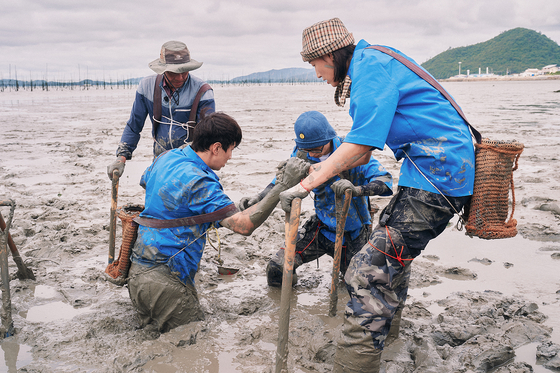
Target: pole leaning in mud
<point>341,214</point>
<point>292,224</point>
<point>23,272</point>
<point>7,328</point>
<point>113,216</point>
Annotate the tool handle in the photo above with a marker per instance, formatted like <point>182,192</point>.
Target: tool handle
<point>292,224</point>
<point>113,216</point>
<point>341,214</point>
<point>11,243</point>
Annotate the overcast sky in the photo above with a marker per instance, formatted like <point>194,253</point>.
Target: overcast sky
<point>67,39</point>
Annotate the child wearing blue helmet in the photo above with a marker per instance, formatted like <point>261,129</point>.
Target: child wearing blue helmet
<point>315,141</point>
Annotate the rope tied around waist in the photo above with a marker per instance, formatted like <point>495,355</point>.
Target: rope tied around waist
<point>398,255</point>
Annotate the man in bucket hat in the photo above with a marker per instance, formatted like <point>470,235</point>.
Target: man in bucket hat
<point>168,98</point>
<point>391,106</point>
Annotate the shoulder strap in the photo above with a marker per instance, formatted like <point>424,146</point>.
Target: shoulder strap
<point>194,108</point>
<point>218,215</point>
<point>157,104</point>
<point>428,78</point>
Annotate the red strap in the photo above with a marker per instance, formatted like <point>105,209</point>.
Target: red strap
<point>430,79</point>
<point>398,255</point>
<point>218,215</point>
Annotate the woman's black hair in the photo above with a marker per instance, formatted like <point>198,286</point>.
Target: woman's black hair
<point>215,127</point>
<point>341,59</point>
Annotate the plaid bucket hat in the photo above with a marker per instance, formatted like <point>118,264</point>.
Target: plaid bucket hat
<point>323,38</point>
<point>174,57</point>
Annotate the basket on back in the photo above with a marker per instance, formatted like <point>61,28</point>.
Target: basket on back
<point>489,215</point>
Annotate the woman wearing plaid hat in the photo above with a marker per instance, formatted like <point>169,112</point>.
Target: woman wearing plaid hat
<point>390,106</point>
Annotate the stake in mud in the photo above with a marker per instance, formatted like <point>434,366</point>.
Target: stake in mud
<point>292,224</point>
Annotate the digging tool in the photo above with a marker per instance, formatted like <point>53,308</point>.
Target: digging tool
<point>292,224</point>
<point>341,214</point>
<point>23,272</point>
<point>227,271</point>
<point>113,216</point>
<point>7,328</point>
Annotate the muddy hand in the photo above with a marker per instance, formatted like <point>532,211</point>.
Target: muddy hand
<point>293,172</point>
<point>287,196</point>
<point>247,202</point>
<point>341,185</point>
<point>118,165</point>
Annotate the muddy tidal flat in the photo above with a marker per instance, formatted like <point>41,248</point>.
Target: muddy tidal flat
<point>474,305</point>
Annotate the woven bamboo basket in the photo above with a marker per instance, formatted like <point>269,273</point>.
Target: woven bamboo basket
<point>490,215</point>
<point>118,270</point>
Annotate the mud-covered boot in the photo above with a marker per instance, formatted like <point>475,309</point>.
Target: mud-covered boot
<point>355,352</point>
<point>275,269</point>
<point>395,327</point>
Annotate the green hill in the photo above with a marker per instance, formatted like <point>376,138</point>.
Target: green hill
<point>511,52</point>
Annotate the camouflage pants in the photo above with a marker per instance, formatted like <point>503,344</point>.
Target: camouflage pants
<point>377,277</point>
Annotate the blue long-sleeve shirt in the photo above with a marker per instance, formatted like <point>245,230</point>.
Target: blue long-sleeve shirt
<point>358,213</point>
<point>175,109</point>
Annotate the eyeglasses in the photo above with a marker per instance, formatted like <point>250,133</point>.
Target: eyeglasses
<point>316,150</point>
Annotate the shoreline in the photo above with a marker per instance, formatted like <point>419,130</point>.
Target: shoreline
<point>501,78</point>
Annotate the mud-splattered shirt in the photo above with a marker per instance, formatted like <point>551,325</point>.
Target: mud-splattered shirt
<point>178,184</point>
<point>175,111</point>
<point>358,213</point>
<point>390,105</point>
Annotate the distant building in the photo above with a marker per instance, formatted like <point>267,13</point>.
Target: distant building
<point>531,72</point>
<point>550,69</point>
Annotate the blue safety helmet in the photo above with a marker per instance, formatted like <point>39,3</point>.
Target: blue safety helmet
<point>312,130</point>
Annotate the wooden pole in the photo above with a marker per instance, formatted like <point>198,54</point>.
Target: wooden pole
<point>341,214</point>
<point>6,313</point>
<point>113,217</point>
<point>292,224</point>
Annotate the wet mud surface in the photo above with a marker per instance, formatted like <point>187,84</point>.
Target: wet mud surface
<point>474,305</point>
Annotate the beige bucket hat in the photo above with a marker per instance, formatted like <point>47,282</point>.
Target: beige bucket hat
<point>174,57</point>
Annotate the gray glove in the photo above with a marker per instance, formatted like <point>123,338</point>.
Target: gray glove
<point>118,165</point>
<point>287,196</point>
<point>341,185</point>
<point>246,202</point>
<point>292,171</point>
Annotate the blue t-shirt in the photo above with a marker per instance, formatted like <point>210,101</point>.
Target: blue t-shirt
<point>178,184</point>
<point>391,105</point>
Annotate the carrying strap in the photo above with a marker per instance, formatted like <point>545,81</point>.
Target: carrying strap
<point>194,109</point>
<point>218,215</point>
<point>157,104</point>
<point>430,79</point>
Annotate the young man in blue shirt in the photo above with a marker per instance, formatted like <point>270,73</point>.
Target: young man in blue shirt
<point>183,197</point>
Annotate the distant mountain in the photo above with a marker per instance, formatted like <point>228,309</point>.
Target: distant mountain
<point>511,52</point>
<point>289,75</point>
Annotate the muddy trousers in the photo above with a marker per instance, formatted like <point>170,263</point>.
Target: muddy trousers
<point>377,277</point>
<point>311,245</point>
<point>161,299</point>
